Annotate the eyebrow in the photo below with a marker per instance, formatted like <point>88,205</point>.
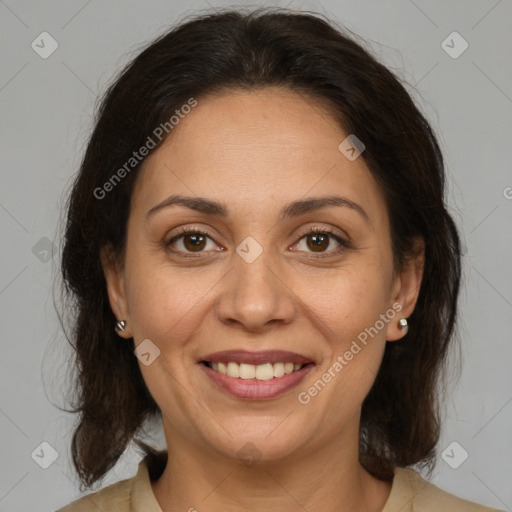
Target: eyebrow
<point>293,209</point>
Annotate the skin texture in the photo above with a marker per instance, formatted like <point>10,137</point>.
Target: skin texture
<point>257,151</point>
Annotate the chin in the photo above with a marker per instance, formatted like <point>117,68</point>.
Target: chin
<point>254,442</point>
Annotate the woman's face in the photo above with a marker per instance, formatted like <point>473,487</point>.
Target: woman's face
<point>248,277</point>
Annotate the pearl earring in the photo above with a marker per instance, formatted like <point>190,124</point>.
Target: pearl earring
<point>120,326</point>
<point>402,324</point>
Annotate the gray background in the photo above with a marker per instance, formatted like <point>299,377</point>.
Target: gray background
<point>46,112</point>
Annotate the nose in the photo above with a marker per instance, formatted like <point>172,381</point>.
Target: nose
<point>255,295</point>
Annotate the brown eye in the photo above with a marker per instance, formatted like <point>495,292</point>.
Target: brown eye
<point>318,241</point>
<point>194,242</point>
<point>190,241</point>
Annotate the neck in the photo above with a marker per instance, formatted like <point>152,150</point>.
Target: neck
<point>325,477</point>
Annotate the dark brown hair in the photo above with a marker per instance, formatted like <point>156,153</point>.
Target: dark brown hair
<point>307,54</point>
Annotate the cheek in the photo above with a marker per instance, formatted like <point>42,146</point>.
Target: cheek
<point>355,348</point>
<point>348,309</point>
<point>345,303</point>
<point>164,301</point>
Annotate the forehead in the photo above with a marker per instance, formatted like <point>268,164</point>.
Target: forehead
<point>254,149</point>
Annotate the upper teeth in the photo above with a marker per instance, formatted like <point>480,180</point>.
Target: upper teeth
<point>265,371</point>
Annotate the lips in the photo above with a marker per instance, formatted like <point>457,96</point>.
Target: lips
<point>255,358</point>
<point>262,385</point>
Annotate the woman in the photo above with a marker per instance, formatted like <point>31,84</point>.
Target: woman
<point>261,256</point>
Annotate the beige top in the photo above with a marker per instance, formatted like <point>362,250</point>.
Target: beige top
<point>410,492</point>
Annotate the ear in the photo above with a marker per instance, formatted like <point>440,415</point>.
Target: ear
<point>114,275</point>
<point>406,288</point>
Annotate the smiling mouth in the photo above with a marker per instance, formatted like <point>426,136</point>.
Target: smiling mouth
<point>266,371</point>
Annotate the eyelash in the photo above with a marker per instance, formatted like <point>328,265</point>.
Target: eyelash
<point>314,231</point>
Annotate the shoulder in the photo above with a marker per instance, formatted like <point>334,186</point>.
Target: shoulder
<point>411,492</point>
<point>115,497</point>
<point>131,495</point>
